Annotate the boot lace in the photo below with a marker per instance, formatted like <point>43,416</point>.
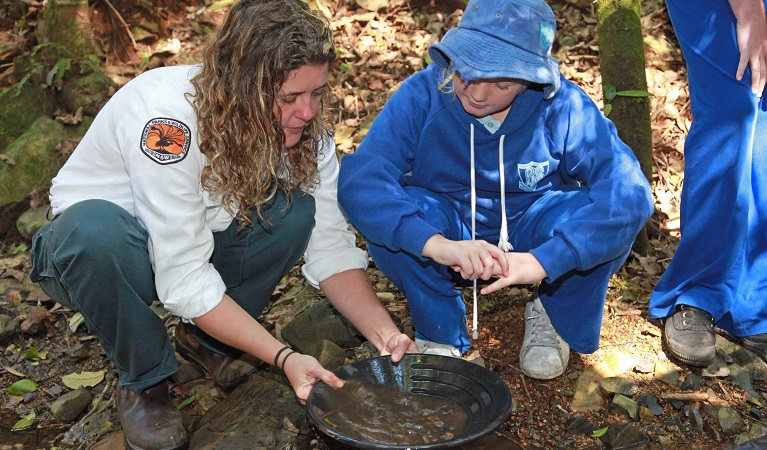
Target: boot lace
<point>696,318</point>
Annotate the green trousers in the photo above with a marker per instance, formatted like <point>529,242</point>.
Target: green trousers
<point>93,258</point>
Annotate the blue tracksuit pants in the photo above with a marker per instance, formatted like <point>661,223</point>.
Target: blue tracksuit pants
<point>720,264</point>
<point>574,302</point>
<point>94,258</point>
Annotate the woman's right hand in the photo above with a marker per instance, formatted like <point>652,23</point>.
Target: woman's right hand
<point>472,259</point>
<point>304,371</point>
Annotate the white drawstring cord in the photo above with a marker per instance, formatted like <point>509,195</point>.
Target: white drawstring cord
<point>475,321</point>
<point>503,243</point>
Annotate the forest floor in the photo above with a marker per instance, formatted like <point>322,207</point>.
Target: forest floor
<point>377,50</point>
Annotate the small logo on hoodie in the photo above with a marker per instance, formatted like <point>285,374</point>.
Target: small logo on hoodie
<point>531,173</point>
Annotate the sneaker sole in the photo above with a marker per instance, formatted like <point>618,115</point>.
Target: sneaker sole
<point>679,353</point>
<point>129,446</point>
<point>549,376</point>
<point>536,376</point>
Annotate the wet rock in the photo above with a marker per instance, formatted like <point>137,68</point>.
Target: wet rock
<point>67,407</point>
<point>578,423</point>
<point>260,413</point>
<point>644,366</point>
<point>693,382</point>
<point>693,412</point>
<point>742,378</point>
<point>98,424</point>
<point>624,436</point>
<point>320,321</point>
<point>730,421</point>
<point>586,397</point>
<point>742,357</point>
<point>38,321</point>
<point>645,413</point>
<point>54,391</point>
<point>327,353</point>
<point>712,432</point>
<point>677,404</point>
<point>618,385</point>
<point>716,372</point>
<point>651,402</point>
<point>625,405</point>
<point>206,395</point>
<point>756,434</point>
<point>32,220</point>
<point>666,372</point>
<point>620,362</point>
<point>711,410</point>
<point>8,326</point>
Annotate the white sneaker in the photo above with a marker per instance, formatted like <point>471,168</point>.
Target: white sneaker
<point>544,354</point>
<point>433,348</point>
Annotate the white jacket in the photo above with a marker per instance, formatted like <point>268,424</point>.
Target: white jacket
<point>141,153</point>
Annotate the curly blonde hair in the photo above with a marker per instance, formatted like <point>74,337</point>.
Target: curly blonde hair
<point>244,66</point>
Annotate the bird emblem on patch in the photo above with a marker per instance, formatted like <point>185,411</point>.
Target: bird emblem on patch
<point>165,141</point>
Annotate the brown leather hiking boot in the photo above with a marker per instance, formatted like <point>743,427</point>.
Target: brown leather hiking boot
<point>149,420</point>
<point>226,371</point>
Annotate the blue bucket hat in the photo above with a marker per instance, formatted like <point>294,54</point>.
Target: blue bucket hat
<point>502,39</point>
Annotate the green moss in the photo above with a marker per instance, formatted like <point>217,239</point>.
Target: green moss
<point>19,107</point>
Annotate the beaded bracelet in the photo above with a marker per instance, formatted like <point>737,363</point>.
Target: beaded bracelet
<point>277,356</point>
<point>286,358</point>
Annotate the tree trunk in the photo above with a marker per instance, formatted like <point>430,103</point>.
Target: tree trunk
<point>624,83</point>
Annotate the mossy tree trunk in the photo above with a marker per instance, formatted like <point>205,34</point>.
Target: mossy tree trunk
<point>61,73</point>
<point>624,83</point>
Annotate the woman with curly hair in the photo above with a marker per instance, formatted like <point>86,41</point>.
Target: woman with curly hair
<point>203,186</point>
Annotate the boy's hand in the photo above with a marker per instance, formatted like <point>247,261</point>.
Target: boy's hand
<point>524,268</point>
<point>472,259</point>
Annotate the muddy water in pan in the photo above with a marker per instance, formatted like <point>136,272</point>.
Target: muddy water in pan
<point>381,415</point>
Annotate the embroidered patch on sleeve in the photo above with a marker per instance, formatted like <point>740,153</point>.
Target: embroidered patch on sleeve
<point>165,141</point>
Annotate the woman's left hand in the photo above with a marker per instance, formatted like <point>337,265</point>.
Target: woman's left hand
<point>304,371</point>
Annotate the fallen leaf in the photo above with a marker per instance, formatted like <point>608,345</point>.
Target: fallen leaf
<point>75,321</point>
<point>83,379</point>
<point>26,422</point>
<point>22,387</point>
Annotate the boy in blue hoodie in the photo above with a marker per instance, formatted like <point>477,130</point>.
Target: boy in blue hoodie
<point>491,144</point>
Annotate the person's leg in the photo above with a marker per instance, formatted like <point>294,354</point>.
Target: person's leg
<point>748,313</point>
<point>573,303</point>
<point>747,318</point>
<point>437,309</point>
<point>701,283</point>
<point>717,164</point>
<point>93,258</point>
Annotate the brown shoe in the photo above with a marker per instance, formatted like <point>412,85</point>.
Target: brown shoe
<point>149,420</point>
<point>226,371</point>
